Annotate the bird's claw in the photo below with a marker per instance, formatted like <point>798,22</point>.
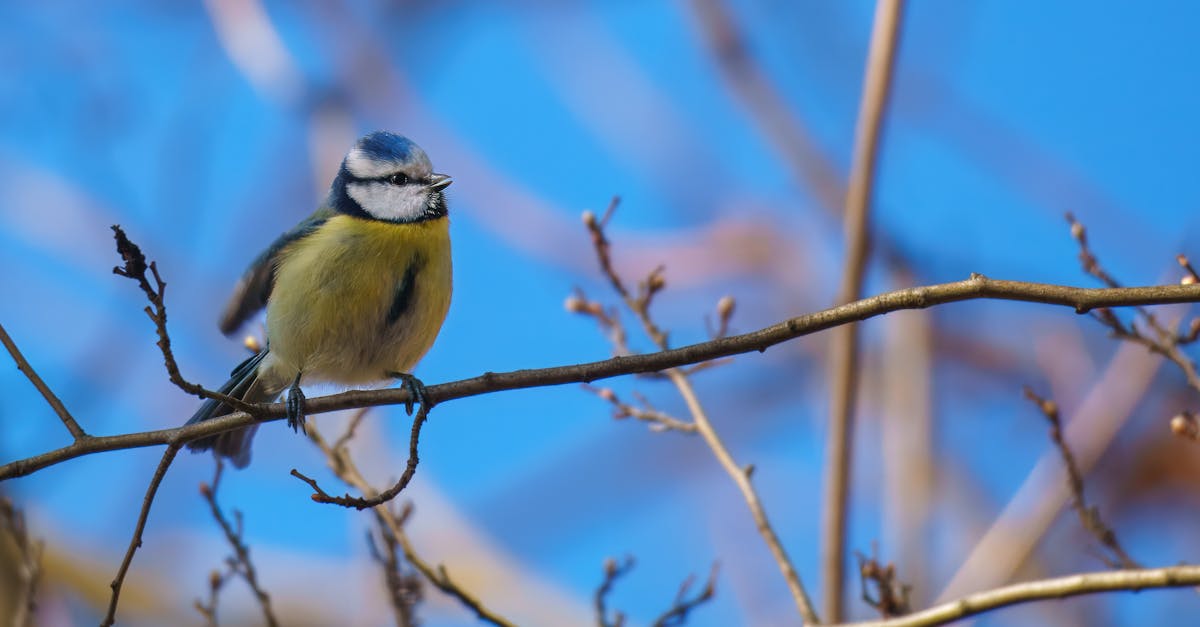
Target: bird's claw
<point>416,390</point>
<point>295,407</point>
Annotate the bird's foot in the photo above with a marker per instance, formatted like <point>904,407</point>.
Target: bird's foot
<point>416,390</point>
<point>295,407</point>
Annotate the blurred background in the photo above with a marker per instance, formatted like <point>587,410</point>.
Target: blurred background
<point>206,129</point>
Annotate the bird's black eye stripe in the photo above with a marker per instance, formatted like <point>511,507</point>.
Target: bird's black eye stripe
<point>398,178</point>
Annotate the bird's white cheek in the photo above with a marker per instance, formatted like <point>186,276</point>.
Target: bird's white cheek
<point>388,202</point>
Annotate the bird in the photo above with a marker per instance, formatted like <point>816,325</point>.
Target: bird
<point>355,293</point>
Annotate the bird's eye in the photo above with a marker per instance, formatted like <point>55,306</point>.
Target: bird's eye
<point>398,178</point>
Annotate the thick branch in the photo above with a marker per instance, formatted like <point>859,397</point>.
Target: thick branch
<point>1080,299</point>
<point>877,82</point>
<point>1058,588</point>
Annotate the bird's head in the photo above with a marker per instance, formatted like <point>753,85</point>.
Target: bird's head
<point>388,177</point>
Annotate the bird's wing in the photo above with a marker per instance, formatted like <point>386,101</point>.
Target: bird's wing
<point>251,293</point>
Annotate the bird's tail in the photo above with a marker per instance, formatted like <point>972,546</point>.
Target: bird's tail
<point>243,384</point>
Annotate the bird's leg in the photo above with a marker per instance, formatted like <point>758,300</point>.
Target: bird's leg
<point>295,406</point>
<point>416,390</point>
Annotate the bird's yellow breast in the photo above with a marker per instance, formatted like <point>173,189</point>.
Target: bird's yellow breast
<point>358,298</point>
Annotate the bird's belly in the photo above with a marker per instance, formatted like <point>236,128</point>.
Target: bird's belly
<point>358,300</point>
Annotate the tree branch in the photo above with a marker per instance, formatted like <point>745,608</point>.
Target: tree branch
<point>1080,299</point>
<point>57,405</point>
<point>839,447</point>
<point>1058,588</point>
<point>136,540</point>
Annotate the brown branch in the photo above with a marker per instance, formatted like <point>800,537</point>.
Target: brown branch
<point>344,467</point>
<point>136,540</point>
<point>57,405</point>
<point>1080,299</point>
<point>24,559</point>
<point>135,268</point>
<point>839,446</point>
<point>613,570</point>
<point>769,109</point>
<point>891,595</point>
<point>678,612</point>
<point>239,563</point>
<point>1058,588</point>
<point>361,503</point>
<point>658,421</point>
<point>681,606</point>
<point>403,588</point>
<point>640,306</point>
<point>1088,516</point>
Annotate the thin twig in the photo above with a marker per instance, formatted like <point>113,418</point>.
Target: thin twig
<point>136,540</point>
<point>613,570</point>
<point>1057,588</point>
<point>678,612</point>
<point>891,596</point>
<point>1081,300</point>
<point>1088,516</point>
<point>240,562</point>
<point>741,477</point>
<point>839,447</point>
<point>361,503</point>
<point>57,405</point>
<point>403,588</point>
<point>658,421</point>
<point>639,305</point>
<point>134,268</point>
<point>344,467</point>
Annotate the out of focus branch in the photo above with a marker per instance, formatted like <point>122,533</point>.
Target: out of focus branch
<point>346,469</point>
<point>613,570</point>
<point>677,614</point>
<point>403,588</point>
<point>21,556</point>
<point>239,563</point>
<point>843,359</point>
<point>1080,299</point>
<point>1058,588</point>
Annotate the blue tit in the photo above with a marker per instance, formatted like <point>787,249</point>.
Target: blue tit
<point>355,294</point>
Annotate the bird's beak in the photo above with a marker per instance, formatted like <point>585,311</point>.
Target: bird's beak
<point>438,182</point>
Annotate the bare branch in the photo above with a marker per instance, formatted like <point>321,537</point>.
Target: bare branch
<point>403,588</point>
<point>613,570</point>
<point>1082,300</point>
<point>136,540</point>
<point>678,612</point>
<point>640,306</point>
<point>135,268</point>
<point>344,467</point>
<point>891,595</point>
<point>659,421</point>
<point>1058,588</point>
<point>240,562</point>
<point>361,503</point>
<point>843,360</point>
<point>23,555</point>
<point>67,419</point>
<point>1088,516</point>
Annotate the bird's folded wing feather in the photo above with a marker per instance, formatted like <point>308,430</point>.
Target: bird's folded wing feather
<point>252,291</point>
